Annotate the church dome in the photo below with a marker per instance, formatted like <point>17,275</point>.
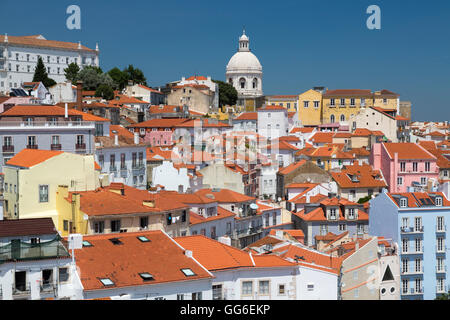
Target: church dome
<point>244,61</point>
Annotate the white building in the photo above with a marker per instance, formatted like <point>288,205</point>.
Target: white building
<point>272,122</point>
<point>19,56</point>
<point>34,264</point>
<point>244,72</point>
<point>63,92</point>
<point>173,179</point>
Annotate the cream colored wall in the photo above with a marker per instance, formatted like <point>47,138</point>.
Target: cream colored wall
<point>360,142</point>
<point>310,115</point>
<point>198,101</point>
<point>218,176</point>
<point>347,111</point>
<point>363,262</point>
<point>391,103</point>
<point>59,170</point>
<point>374,120</point>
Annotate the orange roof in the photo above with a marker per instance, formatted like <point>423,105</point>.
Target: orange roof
<point>222,213</point>
<point>272,108</point>
<point>318,214</point>
<point>348,92</point>
<point>296,233</point>
<point>363,177</point>
<point>28,158</point>
<point>205,123</point>
<point>165,109</point>
<point>197,78</point>
<point>282,145</point>
<point>158,154</point>
<point>414,199</point>
<point>225,257</point>
<point>302,130</point>
<point>122,263</point>
<point>291,167</point>
<point>407,151</point>
<point>224,195</point>
<point>322,137</point>
<point>248,116</point>
<point>35,41</point>
<point>121,99</point>
<point>159,123</point>
<point>149,89</point>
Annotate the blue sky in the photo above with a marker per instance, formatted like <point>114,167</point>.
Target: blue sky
<point>300,44</point>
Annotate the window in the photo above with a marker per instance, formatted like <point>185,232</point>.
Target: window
<point>43,193</point>
<point>112,162</point>
<point>342,118</point>
<point>141,159</point>
<point>323,229</point>
<point>418,244</point>
<point>115,225</point>
<point>310,286</point>
<point>98,129</point>
<point>440,224</point>
<point>351,213</point>
<point>404,286</point>
<point>342,102</point>
<point>404,265</point>
<point>355,275</point>
<point>342,227</point>
<point>400,181</point>
<point>438,202</point>
<point>80,139</point>
<point>403,202</point>
<point>305,104</point>
<point>143,239</point>
<point>143,222</point>
<point>440,264</point>
<point>440,244</point>
<point>188,272</point>
<point>247,287</point>
<point>417,224</point>
<point>332,102</point>
<point>414,166</point>
<point>65,225</point>
<point>352,101</point>
<point>418,265</point>
<point>99,226</point>
<point>316,104</point>
<point>101,159</point>
<point>55,140</point>
<point>134,159</point>
<point>427,167</point>
<point>404,245</point>
<point>333,214</point>
<point>217,292</point>
<point>281,289</point>
<point>31,141</point>
<point>423,181</point>
<point>196,296</point>
<point>87,244</point>
<point>402,166</point>
<point>63,274</point>
<point>180,296</point>
<point>332,118</point>
<point>264,287</point>
<point>405,222</point>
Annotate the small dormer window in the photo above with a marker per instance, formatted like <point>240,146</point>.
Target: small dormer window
<point>333,214</point>
<point>403,202</point>
<point>351,213</point>
<point>438,201</point>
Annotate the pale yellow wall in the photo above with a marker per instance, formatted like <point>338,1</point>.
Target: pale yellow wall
<point>360,142</point>
<point>348,111</point>
<point>391,103</point>
<point>59,170</point>
<point>287,103</point>
<point>310,115</point>
<point>198,100</point>
<point>218,176</point>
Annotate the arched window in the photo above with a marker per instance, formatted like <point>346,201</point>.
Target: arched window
<point>342,118</point>
<point>332,118</point>
<point>255,83</point>
<point>242,82</point>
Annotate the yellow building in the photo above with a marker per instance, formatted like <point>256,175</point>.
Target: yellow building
<point>342,104</point>
<point>290,102</point>
<point>310,107</point>
<point>386,99</point>
<point>33,177</point>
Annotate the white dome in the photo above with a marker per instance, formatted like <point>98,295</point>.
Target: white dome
<point>244,61</point>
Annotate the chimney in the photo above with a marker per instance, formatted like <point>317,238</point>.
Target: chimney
<point>136,138</point>
<point>66,111</point>
<point>79,95</point>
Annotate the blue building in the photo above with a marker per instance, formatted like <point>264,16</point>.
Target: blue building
<point>331,215</point>
<point>417,223</point>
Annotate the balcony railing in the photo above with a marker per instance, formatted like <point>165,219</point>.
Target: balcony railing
<point>48,288</point>
<point>54,146</point>
<point>441,289</point>
<point>441,269</point>
<point>414,271</point>
<point>80,146</point>
<point>412,291</point>
<point>440,249</point>
<point>420,251</point>
<point>21,289</point>
<point>32,146</point>
<point>6,123</point>
<point>441,229</point>
<point>9,148</point>
<point>411,230</point>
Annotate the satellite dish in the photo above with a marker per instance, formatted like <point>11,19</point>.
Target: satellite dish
<point>253,206</point>
<point>279,199</point>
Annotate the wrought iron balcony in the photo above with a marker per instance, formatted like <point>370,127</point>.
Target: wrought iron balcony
<point>32,146</point>
<point>21,289</point>
<point>9,148</point>
<point>55,146</point>
<point>80,146</point>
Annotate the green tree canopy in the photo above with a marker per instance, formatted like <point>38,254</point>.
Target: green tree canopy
<point>92,78</point>
<point>135,75</point>
<point>71,72</point>
<point>119,77</point>
<point>40,74</point>
<point>227,93</point>
<point>104,91</point>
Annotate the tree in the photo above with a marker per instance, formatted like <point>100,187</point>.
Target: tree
<point>105,91</point>
<point>71,72</point>
<point>119,77</point>
<point>40,74</point>
<point>227,93</point>
<point>135,75</point>
<point>443,296</point>
<point>92,78</point>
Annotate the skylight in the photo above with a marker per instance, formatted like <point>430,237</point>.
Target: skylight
<point>87,244</point>
<point>143,239</point>
<point>115,241</point>
<point>188,272</point>
<point>146,276</point>
<point>107,282</point>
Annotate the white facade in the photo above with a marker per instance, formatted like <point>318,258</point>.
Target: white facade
<point>171,178</point>
<point>244,71</point>
<point>63,92</point>
<point>272,123</point>
<point>19,56</point>
<point>268,181</point>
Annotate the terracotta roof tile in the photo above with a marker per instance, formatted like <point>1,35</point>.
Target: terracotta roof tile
<point>28,158</point>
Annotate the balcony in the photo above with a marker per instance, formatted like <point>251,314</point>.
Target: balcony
<point>138,169</point>
<point>246,232</point>
<point>420,251</point>
<point>9,148</point>
<point>80,146</point>
<point>21,290</point>
<point>123,172</point>
<point>48,288</point>
<point>21,125</point>
<point>411,230</point>
<point>413,291</point>
<point>441,229</point>
<point>342,105</point>
<point>112,169</point>
<point>54,146</point>
<point>441,289</point>
<point>32,146</point>
<point>413,271</point>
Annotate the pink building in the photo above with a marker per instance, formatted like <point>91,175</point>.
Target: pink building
<point>157,132</point>
<point>404,165</point>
